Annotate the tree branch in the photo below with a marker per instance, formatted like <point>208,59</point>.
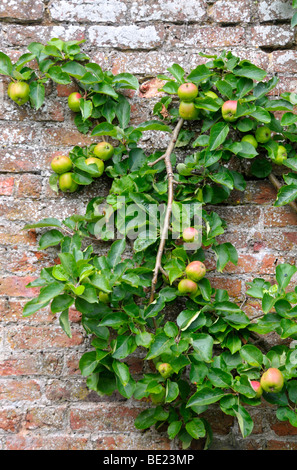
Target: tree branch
<point>166,224</point>
<point>274,181</point>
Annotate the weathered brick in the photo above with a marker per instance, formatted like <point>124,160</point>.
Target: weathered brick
<point>29,186</point>
<point>22,10</point>
<point>127,37</point>
<point>15,390</point>
<point>206,36</point>
<point>11,420</point>
<point>103,418</point>
<point>67,391</point>
<point>49,442</point>
<point>168,10</point>
<point>45,418</point>
<point>79,11</point>
<point>23,35</point>
<point>15,286</point>
<point>6,185</point>
<point>231,11</point>
<point>41,337</point>
<point>270,10</point>
<point>272,36</point>
<point>35,364</point>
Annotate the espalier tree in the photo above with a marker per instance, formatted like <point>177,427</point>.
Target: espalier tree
<point>210,351</point>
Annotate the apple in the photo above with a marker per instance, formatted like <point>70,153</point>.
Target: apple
<point>183,170</point>
<point>229,110</point>
<point>263,134</point>
<point>95,161</point>
<point>187,91</point>
<point>250,139</point>
<point>158,398</point>
<point>103,297</point>
<point>190,234</point>
<point>281,155</point>
<point>61,164</point>
<point>165,369</point>
<point>66,183</point>
<point>188,111</point>
<point>103,150</point>
<point>257,387</point>
<point>272,381</point>
<point>195,270</point>
<point>187,286</point>
<point>74,100</point>
<point>18,92</point>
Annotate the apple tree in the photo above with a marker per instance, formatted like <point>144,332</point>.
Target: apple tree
<point>208,351</point>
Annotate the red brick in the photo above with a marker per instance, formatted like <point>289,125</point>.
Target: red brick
<point>104,418</point>
<point>6,185</point>
<point>15,390</point>
<point>38,364</point>
<point>206,36</point>
<point>29,186</point>
<point>10,420</point>
<point>49,442</point>
<point>128,36</point>
<point>22,10</point>
<point>231,11</point>
<point>15,286</point>
<point>23,35</point>
<point>66,390</point>
<point>45,418</point>
<point>29,337</point>
<point>279,217</point>
<point>267,36</point>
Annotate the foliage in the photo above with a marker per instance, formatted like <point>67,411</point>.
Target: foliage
<point>211,344</point>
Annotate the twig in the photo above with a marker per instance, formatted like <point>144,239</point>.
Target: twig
<point>164,233</point>
<point>274,181</point>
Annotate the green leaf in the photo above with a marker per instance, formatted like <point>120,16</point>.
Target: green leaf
<point>288,119</point>
<point>115,252</point>
<point>5,64</point>
<point>177,71</point>
<point>248,70</point>
<point>74,69</point>
<point>61,302</point>
<point>145,419</point>
<point>49,292</point>
<point>33,306</point>
<point>196,428</point>
<point>48,222</point>
<point>173,429</point>
<point>122,372</point>
<point>172,391</point>
<point>126,80</point>
<point>69,264</point>
<point>57,75</point>
<point>153,126</point>
<point>161,344</point>
<point>86,107</point>
<point>88,363</point>
<point>64,323</point>
<point>50,238</point>
<point>252,355</point>
<point>244,420</point>
<point>284,273</point>
<point>218,135</point>
<point>286,194</point>
<point>205,396</point>
<point>203,346</point>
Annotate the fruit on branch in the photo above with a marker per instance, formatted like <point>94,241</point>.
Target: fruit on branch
<point>158,398</point>
<point>19,92</point>
<point>95,161</point>
<point>183,170</point>
<point>165,369</point>
<point>188,111</point>
<point>66,183</point>
<point>195,270</point>
<point>187,286</point>
<point>190,234</point>
<point>74,101</point>
<point>257,387</point>
<point>263,134</point>
<point>103,150</point>
<point>272,381</point>
<point>250,139</point>
<point>187,91</point>
<point>61,164</point>
<point>281,155</point>
<point>103,297</point>
<point>229,110</point>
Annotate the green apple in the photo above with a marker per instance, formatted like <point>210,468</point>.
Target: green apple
<point>183,170</point>
<point>190,234</point>
<point>195,270</point>
<point>272,381</point>
<point>95,161</point>
<point>229,110</point>
<point>66,183</point>
<point>250,139</point>
<point>165,369</point>
<point>19,92</point>
<point>263,134</point>
<point>257,387</point>
<point>74,101</point>
<point>61,164</point>
<point>188,111</point>
<point>103,150</point>
<point>187,91</point>
<point>187,286</point>
<point>103,297</point>
<point>281,155</point>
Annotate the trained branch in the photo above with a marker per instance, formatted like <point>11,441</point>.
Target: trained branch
<point>167,217</point>
<point>274,181</point>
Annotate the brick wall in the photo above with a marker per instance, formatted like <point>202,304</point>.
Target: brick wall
<point>44,402</point>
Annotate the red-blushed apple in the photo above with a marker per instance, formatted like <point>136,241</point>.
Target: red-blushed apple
<point>96,161</point>
<point>19,92</point>
<point>195,270</point>
<point>263,134</point>
<point>188,111</point>
<point>272,381</point>
<point>229,110</point>
<point>250,139</point>
<point>187,91</point>
<point>74,101</point>
<point>257,387</point>
<point>165,369</point>
<point>66,183</point>
<point>187,287</point>
<point>281,155</point>
<point>61,164</point>
<point>190,234</point>
<point>103,150</point>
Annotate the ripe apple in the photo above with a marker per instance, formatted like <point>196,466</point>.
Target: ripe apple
<point>250,139</point>
<point>187,91</point>
<point>229,110</point>
<point>187,286</point>
<point>165,369</point>
<point>158,398</point>
<point>99,163</point>
<point>188,111</point>
<point>66,183</point>
<point>190,234</point>
<point>103,297</point>
<point>263,134</point>
<point>195,270</point>
<point>257,387</point>
<point>103,150</point>
<point>272,381</point>
<point>281,155</point>
<point>19,92</point>
<point>61,164</point>
<point>73,101</point>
